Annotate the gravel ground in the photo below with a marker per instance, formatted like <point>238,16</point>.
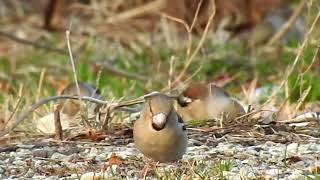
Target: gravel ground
<point>249,159</point>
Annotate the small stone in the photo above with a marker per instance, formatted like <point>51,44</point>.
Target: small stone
<point>265,155</point>
<point>93,152</point>
<point>252,151</point>
<point>13,154</point>
<point>29,173</point>
<point>251,175</point>
<point>68,150</point>
<point>296,175</point>
<point>246,161</point>
<point>59,156</point>
<point>243,172</point>
<point>19,163</point>
<point>229,175</point>
<point>74,176</point>
<point>94,176</point>
<point>273,172</point>
<point>25,146</point>
<point>292,149</point>
<point>131,173</point>
<point>229,152</point>
<point>312,147</point>
<point>193,142</point>
<point>40,153</point>
<point>74,158</point>
<point>14,172</point>
<point>39,177</point>
<point>39,163</point>
<point>23,152</point>
<point>130,145</point>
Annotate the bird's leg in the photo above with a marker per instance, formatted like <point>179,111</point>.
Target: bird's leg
<point>149,165</point>
<point>143,173</point>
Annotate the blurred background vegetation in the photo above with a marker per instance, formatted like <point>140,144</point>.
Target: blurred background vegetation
<point>130,48</point>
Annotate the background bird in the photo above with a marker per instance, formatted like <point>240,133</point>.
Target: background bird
<point>72,107</point>
<point>207,101</point>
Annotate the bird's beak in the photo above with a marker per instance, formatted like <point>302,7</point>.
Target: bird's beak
<point>159,121</point>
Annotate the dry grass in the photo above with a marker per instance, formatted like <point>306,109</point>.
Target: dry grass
<point>126,63</point>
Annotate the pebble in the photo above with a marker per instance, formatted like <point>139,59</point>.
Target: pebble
<point>292,149</point>
<point>41,153</point>
<point>19,163</point>
<point>274,172</point>
<point>60,157</point>
<point>296,175</point>
<point>265,159</point>
<point>68,150</point>
<point>94,176</point>
<point>30,173</point>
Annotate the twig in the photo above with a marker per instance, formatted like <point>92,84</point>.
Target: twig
<point>112,106</point>
<point>250,113</point>
<point>14,110</point>
<point>144,9</point>
<point>195,52</point>
<point>186,26</point>
<point>192,26</point>
<point>196,15</point>
<point>105,122</point>
<point>33,44</point>
<point>57,123</point>
<point>194,74</point>
<point>286,27</point>
<point>43,71</point>
<point>171,72</point>
<point>106,66</point>
<point>25,114</point>
<point>299,54</point>
<point>315,57</point>
<point>80,142</point>
<point>302,98</point>
<point>73,64</point>
<point>75,75</point>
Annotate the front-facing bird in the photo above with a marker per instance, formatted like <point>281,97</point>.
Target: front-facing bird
<point>159,133</point>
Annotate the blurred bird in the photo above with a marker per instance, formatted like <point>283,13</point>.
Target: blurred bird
<point>69,108</point>
<point>72,107</point>
<point>207,101</point>
<point>159,133</point>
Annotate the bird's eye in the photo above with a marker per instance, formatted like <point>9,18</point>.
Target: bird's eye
<point>184,101</point>
<point>184,127</point>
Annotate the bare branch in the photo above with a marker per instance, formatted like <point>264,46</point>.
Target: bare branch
<point>33,44</point>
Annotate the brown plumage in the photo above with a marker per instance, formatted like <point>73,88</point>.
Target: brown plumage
<point>159,133</point>
<point>207,101</point>
<point>72,107</point>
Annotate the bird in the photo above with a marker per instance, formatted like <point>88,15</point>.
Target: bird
<point>160,133</point>
<point>69,108</point>
<point>207,102</point>
<point>72,107</point>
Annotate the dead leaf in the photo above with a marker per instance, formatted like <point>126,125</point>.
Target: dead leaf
<point>292,160</point>
<point>114,160</point>
<point>95,135</point>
